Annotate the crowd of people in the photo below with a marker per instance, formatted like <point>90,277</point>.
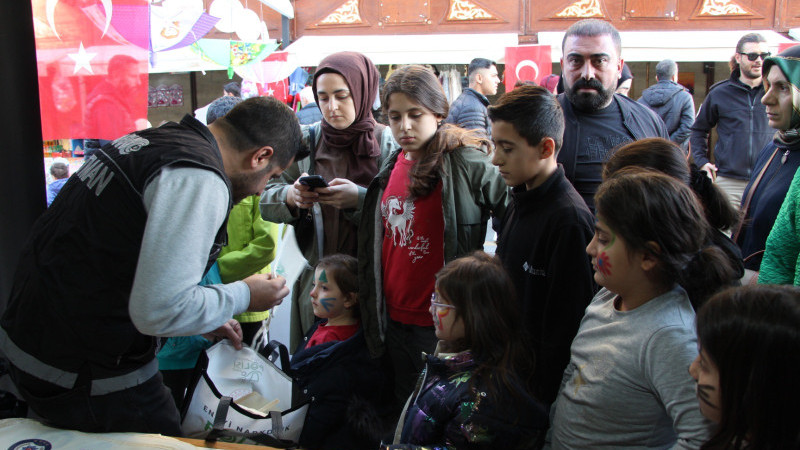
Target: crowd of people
<point>612,315</point>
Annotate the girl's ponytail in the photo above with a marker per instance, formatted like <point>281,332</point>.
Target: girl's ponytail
<point>707,272</point>
<point>719,212</point>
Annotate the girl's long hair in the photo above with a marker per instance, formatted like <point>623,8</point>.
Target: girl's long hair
<point>485,299</point>
<point>752,335</point>
<point>660,215</point>
<point>666,157</point>
<point>421,86</point>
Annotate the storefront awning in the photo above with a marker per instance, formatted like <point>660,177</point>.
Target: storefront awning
<point>406,48</point>
<point>685,46</point>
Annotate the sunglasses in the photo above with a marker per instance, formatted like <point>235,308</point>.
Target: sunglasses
<point>754,56</point>
<point>436,304</point>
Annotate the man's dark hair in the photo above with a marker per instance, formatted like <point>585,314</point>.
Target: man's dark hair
<point>264,121</point>
<point>533,112</point>
<point>747,38</point>
<point>591,28</point>
<point>233,88</point>
<point>478,63</point>
<point>220,107</point>
<point>666,69</point>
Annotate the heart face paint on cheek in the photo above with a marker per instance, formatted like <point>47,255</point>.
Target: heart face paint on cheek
<point>327,303</point>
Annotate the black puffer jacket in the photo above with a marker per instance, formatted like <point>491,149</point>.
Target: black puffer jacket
<point>469,111</point>
<point>345,386</point>
<point>674,104</point>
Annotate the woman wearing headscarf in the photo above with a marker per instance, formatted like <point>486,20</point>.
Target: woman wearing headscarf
<point>777,162</point>
<point>347,148</point>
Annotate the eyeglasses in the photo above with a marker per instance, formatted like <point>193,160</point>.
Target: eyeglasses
<point>754,56</point>
<point>436,304</point>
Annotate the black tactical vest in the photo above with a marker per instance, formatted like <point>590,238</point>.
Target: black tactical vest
<point>69,303</point>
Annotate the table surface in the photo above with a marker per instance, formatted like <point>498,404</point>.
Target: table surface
<point>225,445</point>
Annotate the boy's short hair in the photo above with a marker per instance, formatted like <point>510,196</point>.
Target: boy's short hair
<point>533,112</point>
<point>477,64</point>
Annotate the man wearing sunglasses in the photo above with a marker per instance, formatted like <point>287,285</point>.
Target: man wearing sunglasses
<point>734,107</point>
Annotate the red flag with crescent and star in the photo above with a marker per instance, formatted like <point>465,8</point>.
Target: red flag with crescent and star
<point>527,63</point>
<point>92,58</point>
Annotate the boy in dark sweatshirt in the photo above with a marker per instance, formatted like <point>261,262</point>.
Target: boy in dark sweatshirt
<point>543,237</point>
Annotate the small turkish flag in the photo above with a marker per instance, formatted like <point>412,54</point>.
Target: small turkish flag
<point>527,63</point>
<point>278,89</point>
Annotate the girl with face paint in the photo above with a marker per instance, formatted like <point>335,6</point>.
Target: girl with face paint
<point>748,367</point>
<point>481,366</point>
<point>334,368</point>
<point>627,360</point>
<point>334,296</point>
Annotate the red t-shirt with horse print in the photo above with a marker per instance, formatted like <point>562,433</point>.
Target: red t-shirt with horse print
<point>413,247</point>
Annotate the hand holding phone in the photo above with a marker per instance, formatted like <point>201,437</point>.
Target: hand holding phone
<point>313,181</point>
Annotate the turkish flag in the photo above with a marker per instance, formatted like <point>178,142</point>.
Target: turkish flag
<point>92,79</point>
<point>527,63</point>
<point>279,89</point>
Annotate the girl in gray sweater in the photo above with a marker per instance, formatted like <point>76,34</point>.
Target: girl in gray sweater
<point>627,383</point>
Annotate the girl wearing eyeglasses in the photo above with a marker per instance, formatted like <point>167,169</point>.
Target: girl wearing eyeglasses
<point>482,370</point>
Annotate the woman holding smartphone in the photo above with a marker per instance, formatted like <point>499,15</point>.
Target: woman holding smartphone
<point>347,148</point>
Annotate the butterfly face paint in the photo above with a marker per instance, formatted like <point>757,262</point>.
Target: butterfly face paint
<point>603,263</point>
<point>327,299</point>
<point>609,257</point>
<point>327,303</point>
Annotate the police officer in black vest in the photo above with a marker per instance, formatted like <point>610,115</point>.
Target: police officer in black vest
<point>115,261</point>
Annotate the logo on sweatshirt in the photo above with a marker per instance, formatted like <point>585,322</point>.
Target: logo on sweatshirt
<point>535,272</point>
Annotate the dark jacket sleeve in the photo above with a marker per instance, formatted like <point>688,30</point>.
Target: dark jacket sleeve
<point>686,120</point>
<point>706,119</point>
<point>570,289</point>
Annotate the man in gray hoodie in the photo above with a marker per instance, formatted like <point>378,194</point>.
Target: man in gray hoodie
<point>671,101</point>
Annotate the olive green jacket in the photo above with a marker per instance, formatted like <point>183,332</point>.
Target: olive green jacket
<point>308,224</point>
<point>472,191</point>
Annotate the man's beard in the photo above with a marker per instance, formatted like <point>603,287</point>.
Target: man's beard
<point>749,73</point>
<point>586,101</point>
<point>244,185</point>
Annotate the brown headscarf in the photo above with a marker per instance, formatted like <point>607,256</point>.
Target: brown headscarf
<point>351,153</point>
<point>362,78</point>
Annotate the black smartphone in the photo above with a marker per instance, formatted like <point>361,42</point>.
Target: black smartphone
<point>314,181</point>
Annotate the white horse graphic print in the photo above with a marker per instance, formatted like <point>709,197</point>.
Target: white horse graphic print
<point>399,216</point>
